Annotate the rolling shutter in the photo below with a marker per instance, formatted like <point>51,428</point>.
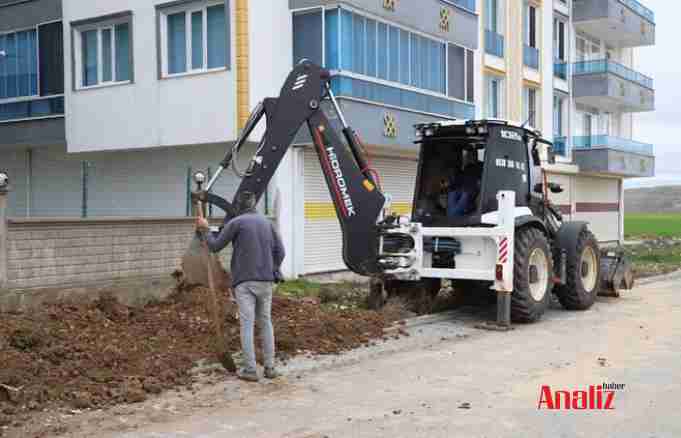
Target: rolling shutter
<point>323,238</point>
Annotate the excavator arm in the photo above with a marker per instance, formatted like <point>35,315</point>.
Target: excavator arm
<point>354,190</point>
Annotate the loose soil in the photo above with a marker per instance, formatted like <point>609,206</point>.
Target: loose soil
<point>105,353</point>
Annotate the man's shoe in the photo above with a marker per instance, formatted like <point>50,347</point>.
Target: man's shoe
<point>249,376</point>
<point>271,373</point>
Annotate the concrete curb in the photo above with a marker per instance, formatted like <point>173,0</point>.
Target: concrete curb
<point>676,275</point>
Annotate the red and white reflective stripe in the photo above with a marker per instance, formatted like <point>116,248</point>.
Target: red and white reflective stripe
<point>503,250</point>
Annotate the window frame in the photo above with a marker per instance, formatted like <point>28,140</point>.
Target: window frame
<point>411,33</point>
<point>39,96</point>
<point>500,96</point>
<point>531,95</point>
<point>558,42</point>
<point>29,97</point>
<point>189,8</point>
<point>100,24</point>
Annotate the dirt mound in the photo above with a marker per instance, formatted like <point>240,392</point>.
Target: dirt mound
<point>106,353</point>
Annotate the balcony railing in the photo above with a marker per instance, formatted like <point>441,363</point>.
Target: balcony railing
<point>560,69</point>
<point>32,109</point>
<point>531,57</point>
<point>494,43</point>
<point>609,142</point>
<point>608,66</point>
<point>401,98</point>
<point>560,145</point>
<point>639,9</point>
<point>466,4</point>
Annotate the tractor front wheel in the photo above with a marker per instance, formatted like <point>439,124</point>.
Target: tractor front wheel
<point>532,275</point>
<point>583,274</point>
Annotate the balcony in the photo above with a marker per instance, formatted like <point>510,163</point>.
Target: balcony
<point>560,146</point>
<point>604,154</point>
<point>612,87</point>
<point>531,57</point>
<point>624,23</point>
<point>32,109</point>
<point>560,70</point>
<point>494,43</point>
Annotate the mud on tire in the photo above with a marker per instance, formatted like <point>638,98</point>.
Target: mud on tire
<point>527,302</point>
<point>580,290</point>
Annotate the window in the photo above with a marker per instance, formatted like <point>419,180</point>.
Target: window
<point>383,51</point>
<point>558,111</point>
<point>103,51</point>
<point>18,64</point>
<point>194,38</point>
<point>559,39</point>
<point>530,26</point>
<point>492,18</point>
<point>32,73</point>
<point>382,62</point>
<point>530,106</point>
<point>495,93</point>
<point>587,50</point>
<point>460,73</point>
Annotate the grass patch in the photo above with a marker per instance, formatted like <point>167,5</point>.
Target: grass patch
<point>642,225</point>
<point>299,289</point>
<point>653,258</point>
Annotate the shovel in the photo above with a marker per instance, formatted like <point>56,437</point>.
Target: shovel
<point>200,267</point>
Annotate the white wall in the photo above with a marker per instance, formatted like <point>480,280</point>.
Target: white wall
<point>149,112</point>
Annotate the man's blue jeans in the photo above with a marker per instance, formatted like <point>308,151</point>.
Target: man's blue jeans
<point>458,203</point>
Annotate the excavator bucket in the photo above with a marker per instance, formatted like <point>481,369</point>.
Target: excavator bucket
<point>196,261</point>
<point>616,273</point>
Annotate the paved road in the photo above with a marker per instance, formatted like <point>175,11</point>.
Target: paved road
<point>422,391</point>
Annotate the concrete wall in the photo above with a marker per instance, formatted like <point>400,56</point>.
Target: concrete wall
<point>50,253</point>
<point>18,15</point>
<point>149,112</point>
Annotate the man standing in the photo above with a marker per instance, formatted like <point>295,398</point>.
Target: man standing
<point>256,259</point>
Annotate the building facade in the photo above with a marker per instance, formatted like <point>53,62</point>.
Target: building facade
<point>107,108</point>
<point>571,74</point>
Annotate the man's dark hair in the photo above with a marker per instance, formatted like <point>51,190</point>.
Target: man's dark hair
<point>246,202</point>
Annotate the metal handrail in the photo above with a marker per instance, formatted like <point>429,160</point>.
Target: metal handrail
<point>609,66</point>
<point>610,142</point>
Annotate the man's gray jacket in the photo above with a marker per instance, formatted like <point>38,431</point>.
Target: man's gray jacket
<point>258,250</point>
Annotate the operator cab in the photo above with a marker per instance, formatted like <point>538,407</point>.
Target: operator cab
<point>462,166</point>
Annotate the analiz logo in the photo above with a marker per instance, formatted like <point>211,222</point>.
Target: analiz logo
<point>593,398</point>
<point>341,185</point>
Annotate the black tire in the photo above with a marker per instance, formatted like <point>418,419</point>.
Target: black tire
<point>575,295</point>
<point>525,307</point>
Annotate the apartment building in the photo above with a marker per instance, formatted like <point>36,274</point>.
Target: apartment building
<point>570,73</point>
<point>397,63</point>
<point>107,108</point>
<point>142,93</point>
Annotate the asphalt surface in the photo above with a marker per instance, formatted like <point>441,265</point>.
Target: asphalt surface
<point>450,379</point>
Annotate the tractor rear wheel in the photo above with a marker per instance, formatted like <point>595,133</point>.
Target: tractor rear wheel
<point>583,274</point>
<point>532,275</point>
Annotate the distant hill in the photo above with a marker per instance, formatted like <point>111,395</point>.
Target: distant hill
<point>665,199</point>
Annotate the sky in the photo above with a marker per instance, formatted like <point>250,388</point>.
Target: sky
<point>662,62</point>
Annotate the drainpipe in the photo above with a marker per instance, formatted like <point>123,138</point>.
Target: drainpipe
<point>4,191</point>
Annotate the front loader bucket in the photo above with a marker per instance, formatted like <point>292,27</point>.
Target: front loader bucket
<point>616,273</point>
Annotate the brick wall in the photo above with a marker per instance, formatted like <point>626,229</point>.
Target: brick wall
<point>69,252</point>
